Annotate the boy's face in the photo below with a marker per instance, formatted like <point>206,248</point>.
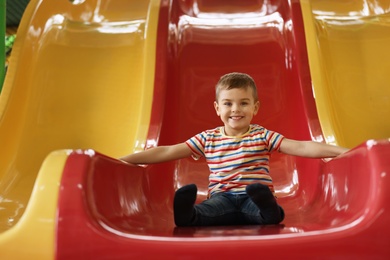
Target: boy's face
<point>236,108</point>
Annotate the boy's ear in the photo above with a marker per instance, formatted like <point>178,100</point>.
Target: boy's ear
<point>216,106</point>
<point>257,107</point>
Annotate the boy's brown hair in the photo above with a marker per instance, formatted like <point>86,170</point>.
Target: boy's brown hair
<point>236,80</point>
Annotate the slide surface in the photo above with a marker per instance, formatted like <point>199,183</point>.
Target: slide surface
<point>349,60</point>
<point>75,81</point>
<point>91,81</point>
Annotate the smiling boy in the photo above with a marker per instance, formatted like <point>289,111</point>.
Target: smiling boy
<point>237,153</point>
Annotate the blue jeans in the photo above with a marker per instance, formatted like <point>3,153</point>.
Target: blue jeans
<point>232,209</point>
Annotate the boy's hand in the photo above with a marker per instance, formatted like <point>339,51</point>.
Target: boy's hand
<point>159,154</point>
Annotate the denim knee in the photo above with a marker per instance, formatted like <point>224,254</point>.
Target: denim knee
<point>218,210</point>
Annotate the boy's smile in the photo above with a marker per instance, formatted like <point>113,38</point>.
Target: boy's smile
<point>236,108</point>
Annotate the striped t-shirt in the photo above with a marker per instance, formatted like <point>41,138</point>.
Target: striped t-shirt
<point>235,162</point>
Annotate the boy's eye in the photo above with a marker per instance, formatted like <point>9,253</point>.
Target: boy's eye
<point>244,103</point>
<point>227,104</point>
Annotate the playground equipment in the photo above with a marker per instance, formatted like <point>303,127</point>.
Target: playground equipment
<point>92,81</point>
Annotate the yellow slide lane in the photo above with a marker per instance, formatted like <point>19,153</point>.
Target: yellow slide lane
<point>74,74</point>
<point>348,44</point>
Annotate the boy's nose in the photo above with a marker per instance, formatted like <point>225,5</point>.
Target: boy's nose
<point>235,108</point>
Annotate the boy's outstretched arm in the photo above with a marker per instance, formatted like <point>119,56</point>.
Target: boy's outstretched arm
<point>310,149</point>
<point>159,154</point>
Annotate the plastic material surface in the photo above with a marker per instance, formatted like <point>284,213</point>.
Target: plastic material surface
<point>122,75</point>
<point>80,77</point>
<point>349,61</point>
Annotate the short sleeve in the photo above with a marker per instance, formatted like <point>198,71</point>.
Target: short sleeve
<point>197,145</point>
<point>274,140</point>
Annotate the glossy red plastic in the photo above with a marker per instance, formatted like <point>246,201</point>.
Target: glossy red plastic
<point>334,210</point>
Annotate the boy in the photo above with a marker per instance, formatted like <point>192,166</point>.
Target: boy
<point>240,188</point>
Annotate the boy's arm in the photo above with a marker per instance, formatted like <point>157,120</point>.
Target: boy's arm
<point>310,149</point>
<point>159,154</point>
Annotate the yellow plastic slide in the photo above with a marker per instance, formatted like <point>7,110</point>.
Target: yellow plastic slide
<point>348,44</point>
<point>47,105</point>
